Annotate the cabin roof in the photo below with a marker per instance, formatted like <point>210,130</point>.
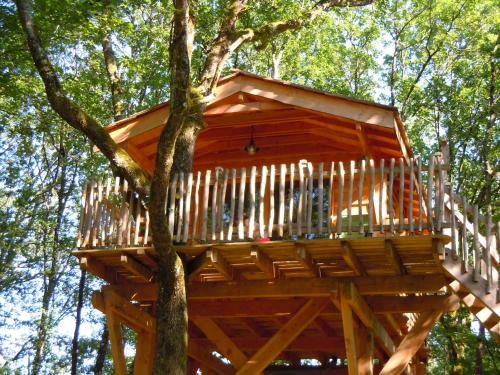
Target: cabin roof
<point>279,111</point>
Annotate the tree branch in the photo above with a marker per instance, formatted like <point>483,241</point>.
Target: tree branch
<point>120,160</point>
<point>111,64</point>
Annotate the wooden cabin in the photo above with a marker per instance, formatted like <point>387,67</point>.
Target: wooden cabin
<point>316,242</point>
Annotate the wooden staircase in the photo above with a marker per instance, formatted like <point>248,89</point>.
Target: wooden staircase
<point>474,271</point>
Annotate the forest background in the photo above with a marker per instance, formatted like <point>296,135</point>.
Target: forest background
<point>436,60</point>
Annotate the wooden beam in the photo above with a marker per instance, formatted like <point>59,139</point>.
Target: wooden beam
<point>207,360</point>
<point>407,304</point>
<point>351,259</point>
<point>321,344</point>
<point>223,343</point>
<point>276,344</point>
<point>363,140</point>
<point>130,314</point>
<point>411,343</point>
<point>305,258</point>
<point>136,268</point>
<point>314,287</point>
<point>358,304</point>
<point>213,258</point>
<point>349,326</point>
<point>277,307</point>
<point>263,262</point>
<point>394,258</point>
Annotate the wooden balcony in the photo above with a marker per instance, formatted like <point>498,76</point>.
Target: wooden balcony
<point>276,237</point>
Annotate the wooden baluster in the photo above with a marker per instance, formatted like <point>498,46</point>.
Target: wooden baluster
<point>113,236</point>
<point>96,214</point>
<point>371,197</point>
<point>137,220</point>
<point>453,225</point>
<point>401,194</point>
<point>241,203</point>
<point>330,199</point>
<point>440,195</point>
<point>122,224</point>
<point>222,205</point>
<point>251,218</point>
<point>352,165</point>
<point>262,197</point>
<point>360,194</point>
<point>341,198</point>
<point>130,216</point>
<point>272,174</point>
<point>390,195</point>
<point>320,198</point>
<point>83,207</point>
<point>382,208</point>
<point>171,209</point>
<point>146,228</point>
<point>487,250</point>
<point>410,203</point>
<point>420,196</point>
<point>106,212</point>
<point>204,216</point>
<point>180,213</point>
<point>477,249</point>
<point>281,213</point>
<point>214,204</point>
<point>465,250</point>
<point>232,205</point>
<point>291,201</point>
<point>196,205</point>
<point>430,188</point>
<point>187,207</point>
<point>310,188</point>
<point>300,207</point>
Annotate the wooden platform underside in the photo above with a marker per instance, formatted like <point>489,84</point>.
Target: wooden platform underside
<point>249,291</point>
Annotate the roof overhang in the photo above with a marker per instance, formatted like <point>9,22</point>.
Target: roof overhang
<point>243,100</point>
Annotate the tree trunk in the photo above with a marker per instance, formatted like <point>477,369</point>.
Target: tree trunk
<point>100,358</point>
<point>78,320</point>
<point>478,370</point>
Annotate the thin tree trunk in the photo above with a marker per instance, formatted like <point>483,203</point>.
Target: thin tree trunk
<point>100,358</point>
<point>478,370</point>
<point>78,319</point>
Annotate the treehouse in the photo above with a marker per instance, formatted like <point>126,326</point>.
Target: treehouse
<point>311,233</point>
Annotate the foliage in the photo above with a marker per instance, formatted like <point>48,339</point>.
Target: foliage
<point>436,60</point>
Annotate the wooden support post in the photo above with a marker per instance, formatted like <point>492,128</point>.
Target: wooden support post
<point>366,315</point>
<point>348,324</point>
<point>143,363</point>
<point>116,341</point>
<point>276,344</point>
<point>364,349</point>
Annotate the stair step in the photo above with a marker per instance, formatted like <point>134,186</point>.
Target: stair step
<point>476,288</point>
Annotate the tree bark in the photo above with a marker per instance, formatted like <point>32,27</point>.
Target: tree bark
<point>100,358</point>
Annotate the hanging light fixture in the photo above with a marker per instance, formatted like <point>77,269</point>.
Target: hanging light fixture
<point>251,148</point>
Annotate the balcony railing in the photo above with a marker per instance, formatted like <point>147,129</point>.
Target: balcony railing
<point>296,201</point>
